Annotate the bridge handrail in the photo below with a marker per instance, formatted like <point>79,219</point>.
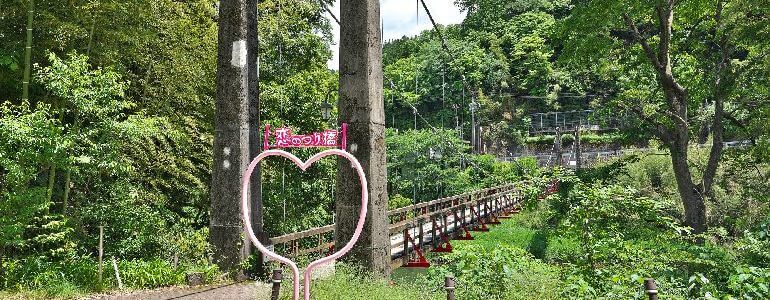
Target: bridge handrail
<point>320,231</point>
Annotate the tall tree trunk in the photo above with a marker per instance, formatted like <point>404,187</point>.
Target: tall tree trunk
<point>28,51</point>
<point>705,128</point>
<point>676,134</point>
<point>694,206</point>
<point>720,94</point>
<point>68,174</point>
<point>91,35</point>
<point>717,145</point>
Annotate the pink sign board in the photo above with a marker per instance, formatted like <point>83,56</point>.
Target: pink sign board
<point>303,166</point>
<point>285,138</point>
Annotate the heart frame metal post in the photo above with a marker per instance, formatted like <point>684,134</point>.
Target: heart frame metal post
<point>303,166</point>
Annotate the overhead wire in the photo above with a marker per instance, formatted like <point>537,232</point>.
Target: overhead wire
<point>329,11</point>
<point>445,47</point>
<point>444,44</point>
<point>433,128</point>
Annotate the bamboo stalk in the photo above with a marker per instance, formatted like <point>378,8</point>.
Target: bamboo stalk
<point>101,255</point>
<point>51,181</point>
<point>117,273</point>
<point>65,196</point>
<point>68,175</point>
<point>91,34</point>
<point>28,51</point>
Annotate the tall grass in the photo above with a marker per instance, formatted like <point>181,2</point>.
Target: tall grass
<point>41,278</point>
<point>350,284</point>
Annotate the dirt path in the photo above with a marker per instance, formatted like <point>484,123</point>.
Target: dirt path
<point>249,290</point>
<point>235,291</point>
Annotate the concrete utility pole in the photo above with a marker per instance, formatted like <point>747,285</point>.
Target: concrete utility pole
<point>578,151</point>
<point>557,147</point>
<point>362,107</point>
<point>231,139</point>
<point>473,107</point>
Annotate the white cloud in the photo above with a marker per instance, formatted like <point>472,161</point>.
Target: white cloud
<point>400,18</point>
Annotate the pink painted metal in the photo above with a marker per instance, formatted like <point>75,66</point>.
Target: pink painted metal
<point>303,166</point>
<point>285,138</point>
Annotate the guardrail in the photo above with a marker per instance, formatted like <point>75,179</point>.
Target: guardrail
<point>419,227</point>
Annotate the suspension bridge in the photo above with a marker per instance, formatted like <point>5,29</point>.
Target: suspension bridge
<point>428,226</point>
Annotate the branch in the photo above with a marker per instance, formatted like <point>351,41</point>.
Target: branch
<point>735,121</point>
<point>643,42</point>
<point>677,118</point>
<point>717,146</point>
<point>719,98</point>
<point>662,129</point>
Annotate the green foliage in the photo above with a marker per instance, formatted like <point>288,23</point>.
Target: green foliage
<point>502,50</point>
<point>93,95</point>
<point>426,162</point>
<point>397,201</point>
<point>80,274</point>
<point>740,195</point>
<point>754,243</point>
<point>114,169</point>
<point>616,140</point>
<point>623,237</point>
<point>149,274</point>
<point>434,164</point>
<point>501,272</point>
<point>77,274</point>
<point>29,141</point>
<point>629,47</point>
<point>121,136</point>
<point>750,283</point>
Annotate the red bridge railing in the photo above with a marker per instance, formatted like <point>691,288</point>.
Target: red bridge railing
<point>424,226</point>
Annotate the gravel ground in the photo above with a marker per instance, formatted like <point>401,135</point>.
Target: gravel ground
<point>235,291</point>
<point>232,291</point>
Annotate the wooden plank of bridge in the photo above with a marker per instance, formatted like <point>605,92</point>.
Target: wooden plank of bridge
<point>446,224</point>
<point>405,254</point>
<point>455,234</point>
<point>434,240</point>
<point>421,232</point>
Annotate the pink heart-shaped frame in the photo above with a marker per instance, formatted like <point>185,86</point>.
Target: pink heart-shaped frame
<point>303,166</point>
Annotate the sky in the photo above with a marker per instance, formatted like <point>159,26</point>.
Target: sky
<point>400,19</point>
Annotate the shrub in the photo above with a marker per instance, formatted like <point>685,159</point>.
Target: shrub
<point>149,274</point>
<point>750,283</point>
<point>502,272</point>
<point>80,274</point>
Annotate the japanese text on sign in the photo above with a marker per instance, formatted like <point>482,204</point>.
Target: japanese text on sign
<point>285,138</point>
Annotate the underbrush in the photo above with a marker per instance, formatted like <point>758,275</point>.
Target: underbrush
<point>502,272</point>
<point>501,264</point>
<point>600,241</point>
<point>39,277</point>
<point>625,237</point>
